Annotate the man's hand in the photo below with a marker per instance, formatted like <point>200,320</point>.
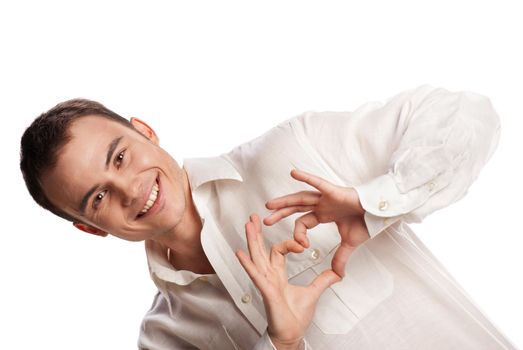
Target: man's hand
<point>330,203</point>
<point>289,308</point>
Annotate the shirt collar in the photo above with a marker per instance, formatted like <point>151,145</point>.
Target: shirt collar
<point>161,270</point>
<point>199,171</point>
<point>202,170</point>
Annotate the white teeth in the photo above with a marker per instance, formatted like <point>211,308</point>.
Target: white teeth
<point>151,200</point>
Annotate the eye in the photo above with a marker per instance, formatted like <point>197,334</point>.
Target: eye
<point>119,159</point>
<point>98,199</point>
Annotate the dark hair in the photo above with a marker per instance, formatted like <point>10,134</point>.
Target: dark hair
<point>45,137</point>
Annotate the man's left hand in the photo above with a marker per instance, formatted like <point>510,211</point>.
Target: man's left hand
<point>330,203</point>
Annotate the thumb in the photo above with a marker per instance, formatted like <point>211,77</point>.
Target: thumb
<point>326,279</point>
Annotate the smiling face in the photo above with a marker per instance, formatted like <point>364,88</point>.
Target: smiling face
<point>113,179</point>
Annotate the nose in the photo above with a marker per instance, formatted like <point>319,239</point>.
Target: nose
<point>129,189</point>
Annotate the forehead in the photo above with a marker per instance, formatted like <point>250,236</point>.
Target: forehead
<point>92,124</point>
<point>89,136</point>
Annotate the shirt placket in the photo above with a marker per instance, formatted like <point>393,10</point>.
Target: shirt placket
<point>224,261</point>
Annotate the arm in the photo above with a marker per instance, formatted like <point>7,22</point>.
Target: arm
<point>289,308</point>
<point>418,152</point>
<point>447,139</point>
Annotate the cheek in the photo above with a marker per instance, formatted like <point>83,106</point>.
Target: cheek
<point>151,157</point>
<point>109,217</point>
<point>104,221</point>
<point>144,159</point>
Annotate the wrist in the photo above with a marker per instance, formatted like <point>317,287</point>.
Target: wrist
<point>287,345</point>
<point>354,201</point>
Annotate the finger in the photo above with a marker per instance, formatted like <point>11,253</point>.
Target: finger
<point>298,198</point>
<point>253,245</point>
<point>255,219</point>
<point>251,270</point>
<point>279,250</point>
<point>326,279</point>
<point>317,182</point>
<point>302,224</point>
<point>284,212</point>
<point>248,265</point>
<point>339,261</point>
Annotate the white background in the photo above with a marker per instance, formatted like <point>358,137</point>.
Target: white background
<point>210,75</point>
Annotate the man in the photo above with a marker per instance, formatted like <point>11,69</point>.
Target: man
<point>371,171</point>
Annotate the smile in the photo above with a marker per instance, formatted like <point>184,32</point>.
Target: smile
<point>153,197</point>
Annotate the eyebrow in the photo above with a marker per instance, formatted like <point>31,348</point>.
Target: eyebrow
<point>83,204</point>
<point>110,150</point>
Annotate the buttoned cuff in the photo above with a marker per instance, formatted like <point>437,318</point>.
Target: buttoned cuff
<point>376,224</point>
<point>265,343</point>
<point>385,204</point>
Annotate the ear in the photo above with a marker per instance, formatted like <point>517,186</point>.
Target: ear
<point>89,229</point>
<point>145,130</point>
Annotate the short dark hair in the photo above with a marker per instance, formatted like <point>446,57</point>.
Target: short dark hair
<point>46,136</point>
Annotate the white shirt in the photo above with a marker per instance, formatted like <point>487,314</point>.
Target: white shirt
<point>407,157</point>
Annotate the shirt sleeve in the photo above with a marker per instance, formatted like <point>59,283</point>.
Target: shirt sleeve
<point>265,343</point>
<point>159,331</point>
<point>417,152</point>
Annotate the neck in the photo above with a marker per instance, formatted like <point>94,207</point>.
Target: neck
<point>186,251</point>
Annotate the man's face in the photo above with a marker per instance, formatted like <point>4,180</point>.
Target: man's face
<point>107,176</point>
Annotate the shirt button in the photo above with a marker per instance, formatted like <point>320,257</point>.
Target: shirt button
<point>382,205</point>
<point>431,186</point>
<point>246,298</point>
<point>315,254</point>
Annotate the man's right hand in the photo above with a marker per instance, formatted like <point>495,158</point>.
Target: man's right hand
<point>289,308</point>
